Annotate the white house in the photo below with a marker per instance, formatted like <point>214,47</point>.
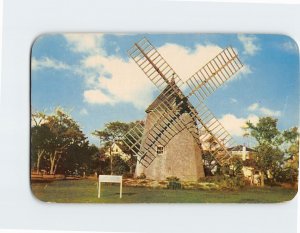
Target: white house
<point>249,170</point>
<point>115,149</point>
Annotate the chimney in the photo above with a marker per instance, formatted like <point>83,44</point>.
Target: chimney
<point>244,152</point>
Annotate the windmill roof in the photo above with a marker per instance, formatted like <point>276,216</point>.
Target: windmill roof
<point>166,93</point>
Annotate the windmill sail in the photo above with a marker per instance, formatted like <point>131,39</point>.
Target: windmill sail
<point>212,131</point>
<point>168,115</point>
<point>168,122</point>
<point>133,138</point>
<point>212,75</point>
<point>153,65</point>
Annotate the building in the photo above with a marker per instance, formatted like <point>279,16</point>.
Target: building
<point>181,156</point>
<point>249,170</point>
<point>115,149</point>
<point>242,151</point>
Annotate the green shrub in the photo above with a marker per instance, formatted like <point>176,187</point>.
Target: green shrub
<point>174,183</point>
<point>225,182</point>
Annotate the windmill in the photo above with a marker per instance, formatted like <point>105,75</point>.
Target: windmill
<point>176,112</point>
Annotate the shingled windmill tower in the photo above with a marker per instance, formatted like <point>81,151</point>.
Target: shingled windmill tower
<point>179,125</point>
<point>182,156</point>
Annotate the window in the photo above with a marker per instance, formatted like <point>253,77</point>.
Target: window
<point>159,150</point>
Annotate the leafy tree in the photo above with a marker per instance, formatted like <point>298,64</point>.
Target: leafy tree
<point>65,132</point>
<point>40,137</point>
<point>270,157</point>
<point>290,168</point>
<point>112,133</point>
<point>120,166</point>
<point>38,118</point>
<point>78,160</point>
<point>52,136</point>
<point>291,135</point>
<point>237,165</point>
<point>100,163</point>
<point>265,131</point>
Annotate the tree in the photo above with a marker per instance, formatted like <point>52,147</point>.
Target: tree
<point>265,131</point>
<point>52,136</point>
<point>237,165</point>
<point>78,160</point>
<point>40,137</point>
<point>65,132</point>
<point>99,162</point>
<point>211,167</point>
<point>113,132</point>
<point>290,168</point>
<point>270,157</point>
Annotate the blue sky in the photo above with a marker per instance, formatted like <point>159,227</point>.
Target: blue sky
<point>92,77</point>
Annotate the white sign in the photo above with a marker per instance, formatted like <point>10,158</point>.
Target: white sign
<point>109,179</point>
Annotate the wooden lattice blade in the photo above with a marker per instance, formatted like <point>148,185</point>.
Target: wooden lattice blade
<point>212,75</point>
<point>213,136</point>
<point>153,64</point>
<point>133,138</point>
<point>168,121</point>
<point>201,84</point>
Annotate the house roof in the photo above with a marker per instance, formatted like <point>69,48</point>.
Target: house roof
<point>240,148</point>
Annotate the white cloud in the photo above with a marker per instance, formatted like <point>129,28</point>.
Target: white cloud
<point>48,63</point>
<point>255,107</point>
<point>248,41</point>
<point>290,46</point>
<point>185,61</point>
<point>269,112</point>
<point>97,97</point>
<point>235,125</point>
<point>111,79</point>
<point>244,71</point>
<point>85,43</point>
<point>233,100</point>
<point>118,80</point>
<point>83,112</point>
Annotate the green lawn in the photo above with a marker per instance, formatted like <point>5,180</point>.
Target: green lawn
<point>85,191</point>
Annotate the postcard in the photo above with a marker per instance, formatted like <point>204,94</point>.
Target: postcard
<point>164,118</point>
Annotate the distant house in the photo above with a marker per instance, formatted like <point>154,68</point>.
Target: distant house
<point>115,149</point>
<point>242,151</point>
<point>249,170</point>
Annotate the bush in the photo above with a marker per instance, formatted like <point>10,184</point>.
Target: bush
<point>174,183</point>
<point>120,167</point>
<point>288,175</point>
<point>232,183</point>
<point>225,182</point>
<point>141,176</point>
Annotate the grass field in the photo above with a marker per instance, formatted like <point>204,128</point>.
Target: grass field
<point>85,191</point>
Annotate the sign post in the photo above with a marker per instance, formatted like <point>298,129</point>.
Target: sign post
<point>109,179</point>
